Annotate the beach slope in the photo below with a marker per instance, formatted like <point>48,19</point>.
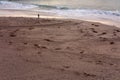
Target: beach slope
<point>51,49</point>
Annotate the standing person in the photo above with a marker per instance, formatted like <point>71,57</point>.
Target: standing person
<point>38,16</point>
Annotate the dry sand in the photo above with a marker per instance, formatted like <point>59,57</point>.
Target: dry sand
<point>49,49</point>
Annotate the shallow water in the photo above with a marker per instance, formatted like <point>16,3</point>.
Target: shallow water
<point>105,11</point>
<point>76,4</point>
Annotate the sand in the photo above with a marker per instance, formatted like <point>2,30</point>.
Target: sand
<point>51,49</point>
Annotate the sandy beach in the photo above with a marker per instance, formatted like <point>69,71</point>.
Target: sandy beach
<point>56,49</point>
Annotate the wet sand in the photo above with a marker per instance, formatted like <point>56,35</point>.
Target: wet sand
<point>51,49</point>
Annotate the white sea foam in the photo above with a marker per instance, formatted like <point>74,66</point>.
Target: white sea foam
<point>85,12</point>
<point>14,5</point>
<point>109,17</point>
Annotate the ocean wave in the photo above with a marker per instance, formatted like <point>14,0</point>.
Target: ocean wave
<point>14,5</point>
<point>53,7</point>
<point>65,12</point>
<point>106,17</point>
<point>61,10</point>
<point>77,13</point>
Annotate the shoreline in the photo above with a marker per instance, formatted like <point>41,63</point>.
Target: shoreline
<point>58,49</point>
<point>33,14</point>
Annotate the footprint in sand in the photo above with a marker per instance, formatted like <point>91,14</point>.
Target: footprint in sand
<point>88,75</point>
<point>103,39</point>
<point>57,48</point>
<point>82,51</point>
<point>44,47</point>
<point>93,30</point>
<point>112,43</point>
<point>48,40</point>
<point>25,43</point>
<point>114,33</point>
<point>12,35</point>
<point>99,62</point>
<point>10,43</point>
<point>31,28</point>
<point>38,46</point>
<point>103,33</point>
<point>96,25</point>
<point>66,67</point>
<point>117,30</point>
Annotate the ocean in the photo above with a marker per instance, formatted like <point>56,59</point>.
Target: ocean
<point>104,11</point>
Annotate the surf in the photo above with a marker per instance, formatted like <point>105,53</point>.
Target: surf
<point>103,16</point>
<point>14,5</point>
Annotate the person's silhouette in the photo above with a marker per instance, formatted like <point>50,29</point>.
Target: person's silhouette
<point>38,15</point>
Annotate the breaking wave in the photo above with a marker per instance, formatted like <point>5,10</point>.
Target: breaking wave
<point>86,14</point>
<point>14,5</point>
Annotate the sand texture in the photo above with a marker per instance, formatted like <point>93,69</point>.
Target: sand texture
<point>49,49</point>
